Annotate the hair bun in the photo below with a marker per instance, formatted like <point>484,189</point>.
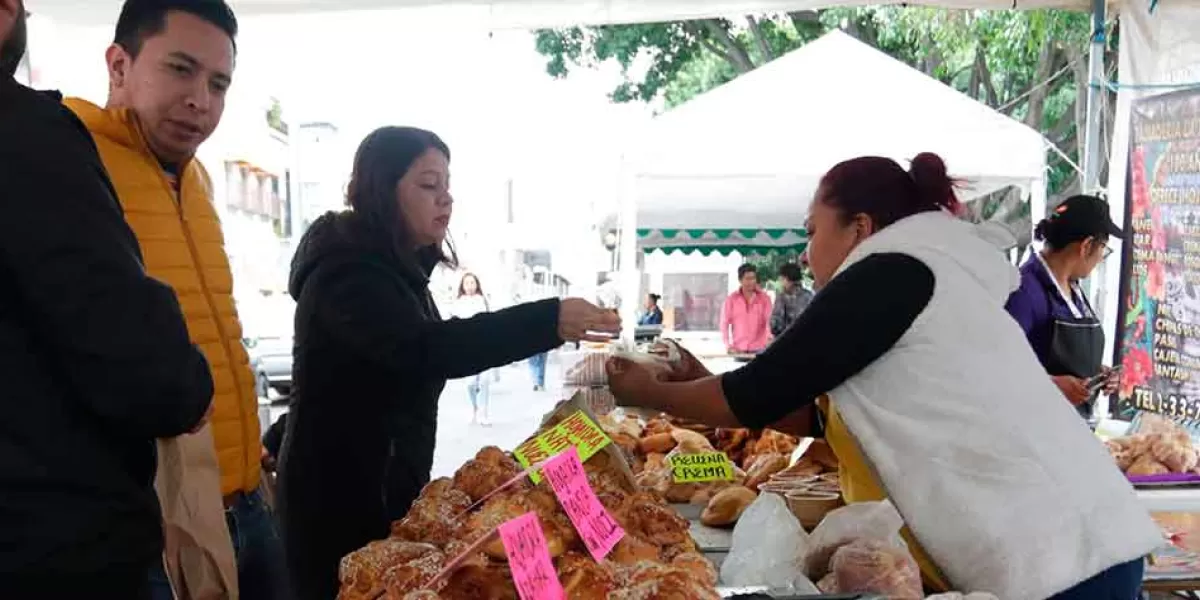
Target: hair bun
<point>1041,229</point>
<point>929,173</point>
<point>928,167</point>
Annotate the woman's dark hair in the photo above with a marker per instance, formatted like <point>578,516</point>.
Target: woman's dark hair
<point>655,298</point>
<point>462,287</point>
<point>1076,219</point>
<point>746,268</point>
<point>791,272</point>
<point>380,162</point>
<point>881,189</point>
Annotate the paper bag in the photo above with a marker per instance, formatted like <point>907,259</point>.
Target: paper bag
<point>198,552</point>
<point>577,403</point>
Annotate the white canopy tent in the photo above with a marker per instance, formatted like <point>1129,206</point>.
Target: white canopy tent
<point>537,13</point>
<point>736,167</point>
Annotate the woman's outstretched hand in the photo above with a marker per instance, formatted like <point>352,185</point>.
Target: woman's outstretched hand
<point>580,320</point>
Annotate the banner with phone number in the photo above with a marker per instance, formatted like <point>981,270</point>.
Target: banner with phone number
<point>1159,339</point>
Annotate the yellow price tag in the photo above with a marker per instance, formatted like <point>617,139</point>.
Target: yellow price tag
<point>699,468</point>
<point>576,430</point>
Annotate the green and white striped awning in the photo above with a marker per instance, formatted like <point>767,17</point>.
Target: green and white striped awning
<point>746,241</point>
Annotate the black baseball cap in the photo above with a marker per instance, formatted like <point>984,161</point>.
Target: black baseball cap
<point>1085,216</point>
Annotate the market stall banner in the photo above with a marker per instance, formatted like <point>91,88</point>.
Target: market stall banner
<point>1159,337</point>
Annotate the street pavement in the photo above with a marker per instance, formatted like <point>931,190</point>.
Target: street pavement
<point>516,411</point>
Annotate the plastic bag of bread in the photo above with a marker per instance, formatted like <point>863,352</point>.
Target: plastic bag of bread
<point>854,522</point>
<point>599,400</point>
<point>875,567</point>
<point>588,372</point>
<point>767,546</point>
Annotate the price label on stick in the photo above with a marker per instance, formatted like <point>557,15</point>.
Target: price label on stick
<point>702,467</point>
<point>577,431</point>
<point>529,558</point>
<point>600,532</point>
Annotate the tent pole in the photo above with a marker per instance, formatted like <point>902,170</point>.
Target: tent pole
<point>1091,141</point>
<point>1092,147</point>
<point>629,279</point>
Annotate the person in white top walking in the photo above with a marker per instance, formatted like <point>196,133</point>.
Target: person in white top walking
<point>471,301</point>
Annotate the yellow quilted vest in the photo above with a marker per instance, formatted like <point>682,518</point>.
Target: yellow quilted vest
<point>180,236</point>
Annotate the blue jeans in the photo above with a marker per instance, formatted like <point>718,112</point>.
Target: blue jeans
<point>537,364</point>
<point>1122,582</point>
<point>262,573</point>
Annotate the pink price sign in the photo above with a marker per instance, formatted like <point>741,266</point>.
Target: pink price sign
<point>529,558</point>
<point>600,532</point>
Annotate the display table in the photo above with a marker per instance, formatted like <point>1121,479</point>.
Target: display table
<point>1184,500</point>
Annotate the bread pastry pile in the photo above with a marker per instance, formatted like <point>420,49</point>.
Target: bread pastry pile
<point>1160,447</point>
<point>757,456</point>
<point>445,548</point>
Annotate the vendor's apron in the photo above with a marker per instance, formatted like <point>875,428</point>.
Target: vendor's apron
<point>859,484</point>
<point>1076,347</point>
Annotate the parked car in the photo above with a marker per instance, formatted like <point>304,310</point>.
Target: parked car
<point>271,361</point>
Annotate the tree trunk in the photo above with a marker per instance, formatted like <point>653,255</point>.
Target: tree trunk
<point>984,75</point>
<point>760,39</point>
<point>1037,95</point>
<point>733,51</point>
<point>737,57</point>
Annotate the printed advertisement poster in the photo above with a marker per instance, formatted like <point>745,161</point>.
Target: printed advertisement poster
<point>1159,345</point>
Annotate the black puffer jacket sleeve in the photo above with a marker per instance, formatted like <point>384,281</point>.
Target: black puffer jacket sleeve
<point>74,265</point>
<point>364,309</point>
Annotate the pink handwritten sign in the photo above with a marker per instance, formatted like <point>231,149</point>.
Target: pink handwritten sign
<point>600,532</point>
<point>529,558</point>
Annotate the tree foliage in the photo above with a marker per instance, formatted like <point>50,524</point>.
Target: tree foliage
<point>1030,65</point>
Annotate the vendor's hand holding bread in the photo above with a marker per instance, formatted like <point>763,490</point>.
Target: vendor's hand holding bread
<point>630,380</point>
<point>687,367</point>
<point>580,320</point>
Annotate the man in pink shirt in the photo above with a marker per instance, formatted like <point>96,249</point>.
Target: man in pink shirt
<point>746,316</point>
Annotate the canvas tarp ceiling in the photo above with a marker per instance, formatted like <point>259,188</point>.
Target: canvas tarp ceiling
<point>536,13</point>
<point>739,164</point>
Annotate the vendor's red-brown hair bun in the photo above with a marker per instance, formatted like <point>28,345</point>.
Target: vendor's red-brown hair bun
<point>933,181</point>
<point>881,189</point>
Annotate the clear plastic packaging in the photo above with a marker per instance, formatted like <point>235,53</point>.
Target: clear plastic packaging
<point>876,567</point>
<point>858,521</point>
<point>768,544</point>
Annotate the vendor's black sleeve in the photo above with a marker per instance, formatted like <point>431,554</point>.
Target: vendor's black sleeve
<point>852,322</point>
<point>117,336</point>
<point>366,311</point>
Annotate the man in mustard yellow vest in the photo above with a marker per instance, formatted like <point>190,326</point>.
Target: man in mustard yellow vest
<point>169,66</point>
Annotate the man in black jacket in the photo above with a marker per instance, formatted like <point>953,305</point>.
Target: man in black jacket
<point>95,360</point>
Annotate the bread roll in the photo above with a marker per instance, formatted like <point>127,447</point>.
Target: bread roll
<point>727,506</point>
<point>1146,465</point>
<point>763,468</point>
<point>658,443</point>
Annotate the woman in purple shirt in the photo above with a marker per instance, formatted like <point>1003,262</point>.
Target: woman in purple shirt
<point>1050,306</point>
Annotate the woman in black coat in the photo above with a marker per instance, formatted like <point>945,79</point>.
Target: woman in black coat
<point>372,354</point>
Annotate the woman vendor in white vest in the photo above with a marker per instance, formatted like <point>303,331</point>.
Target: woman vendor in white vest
<point>931,396</point>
